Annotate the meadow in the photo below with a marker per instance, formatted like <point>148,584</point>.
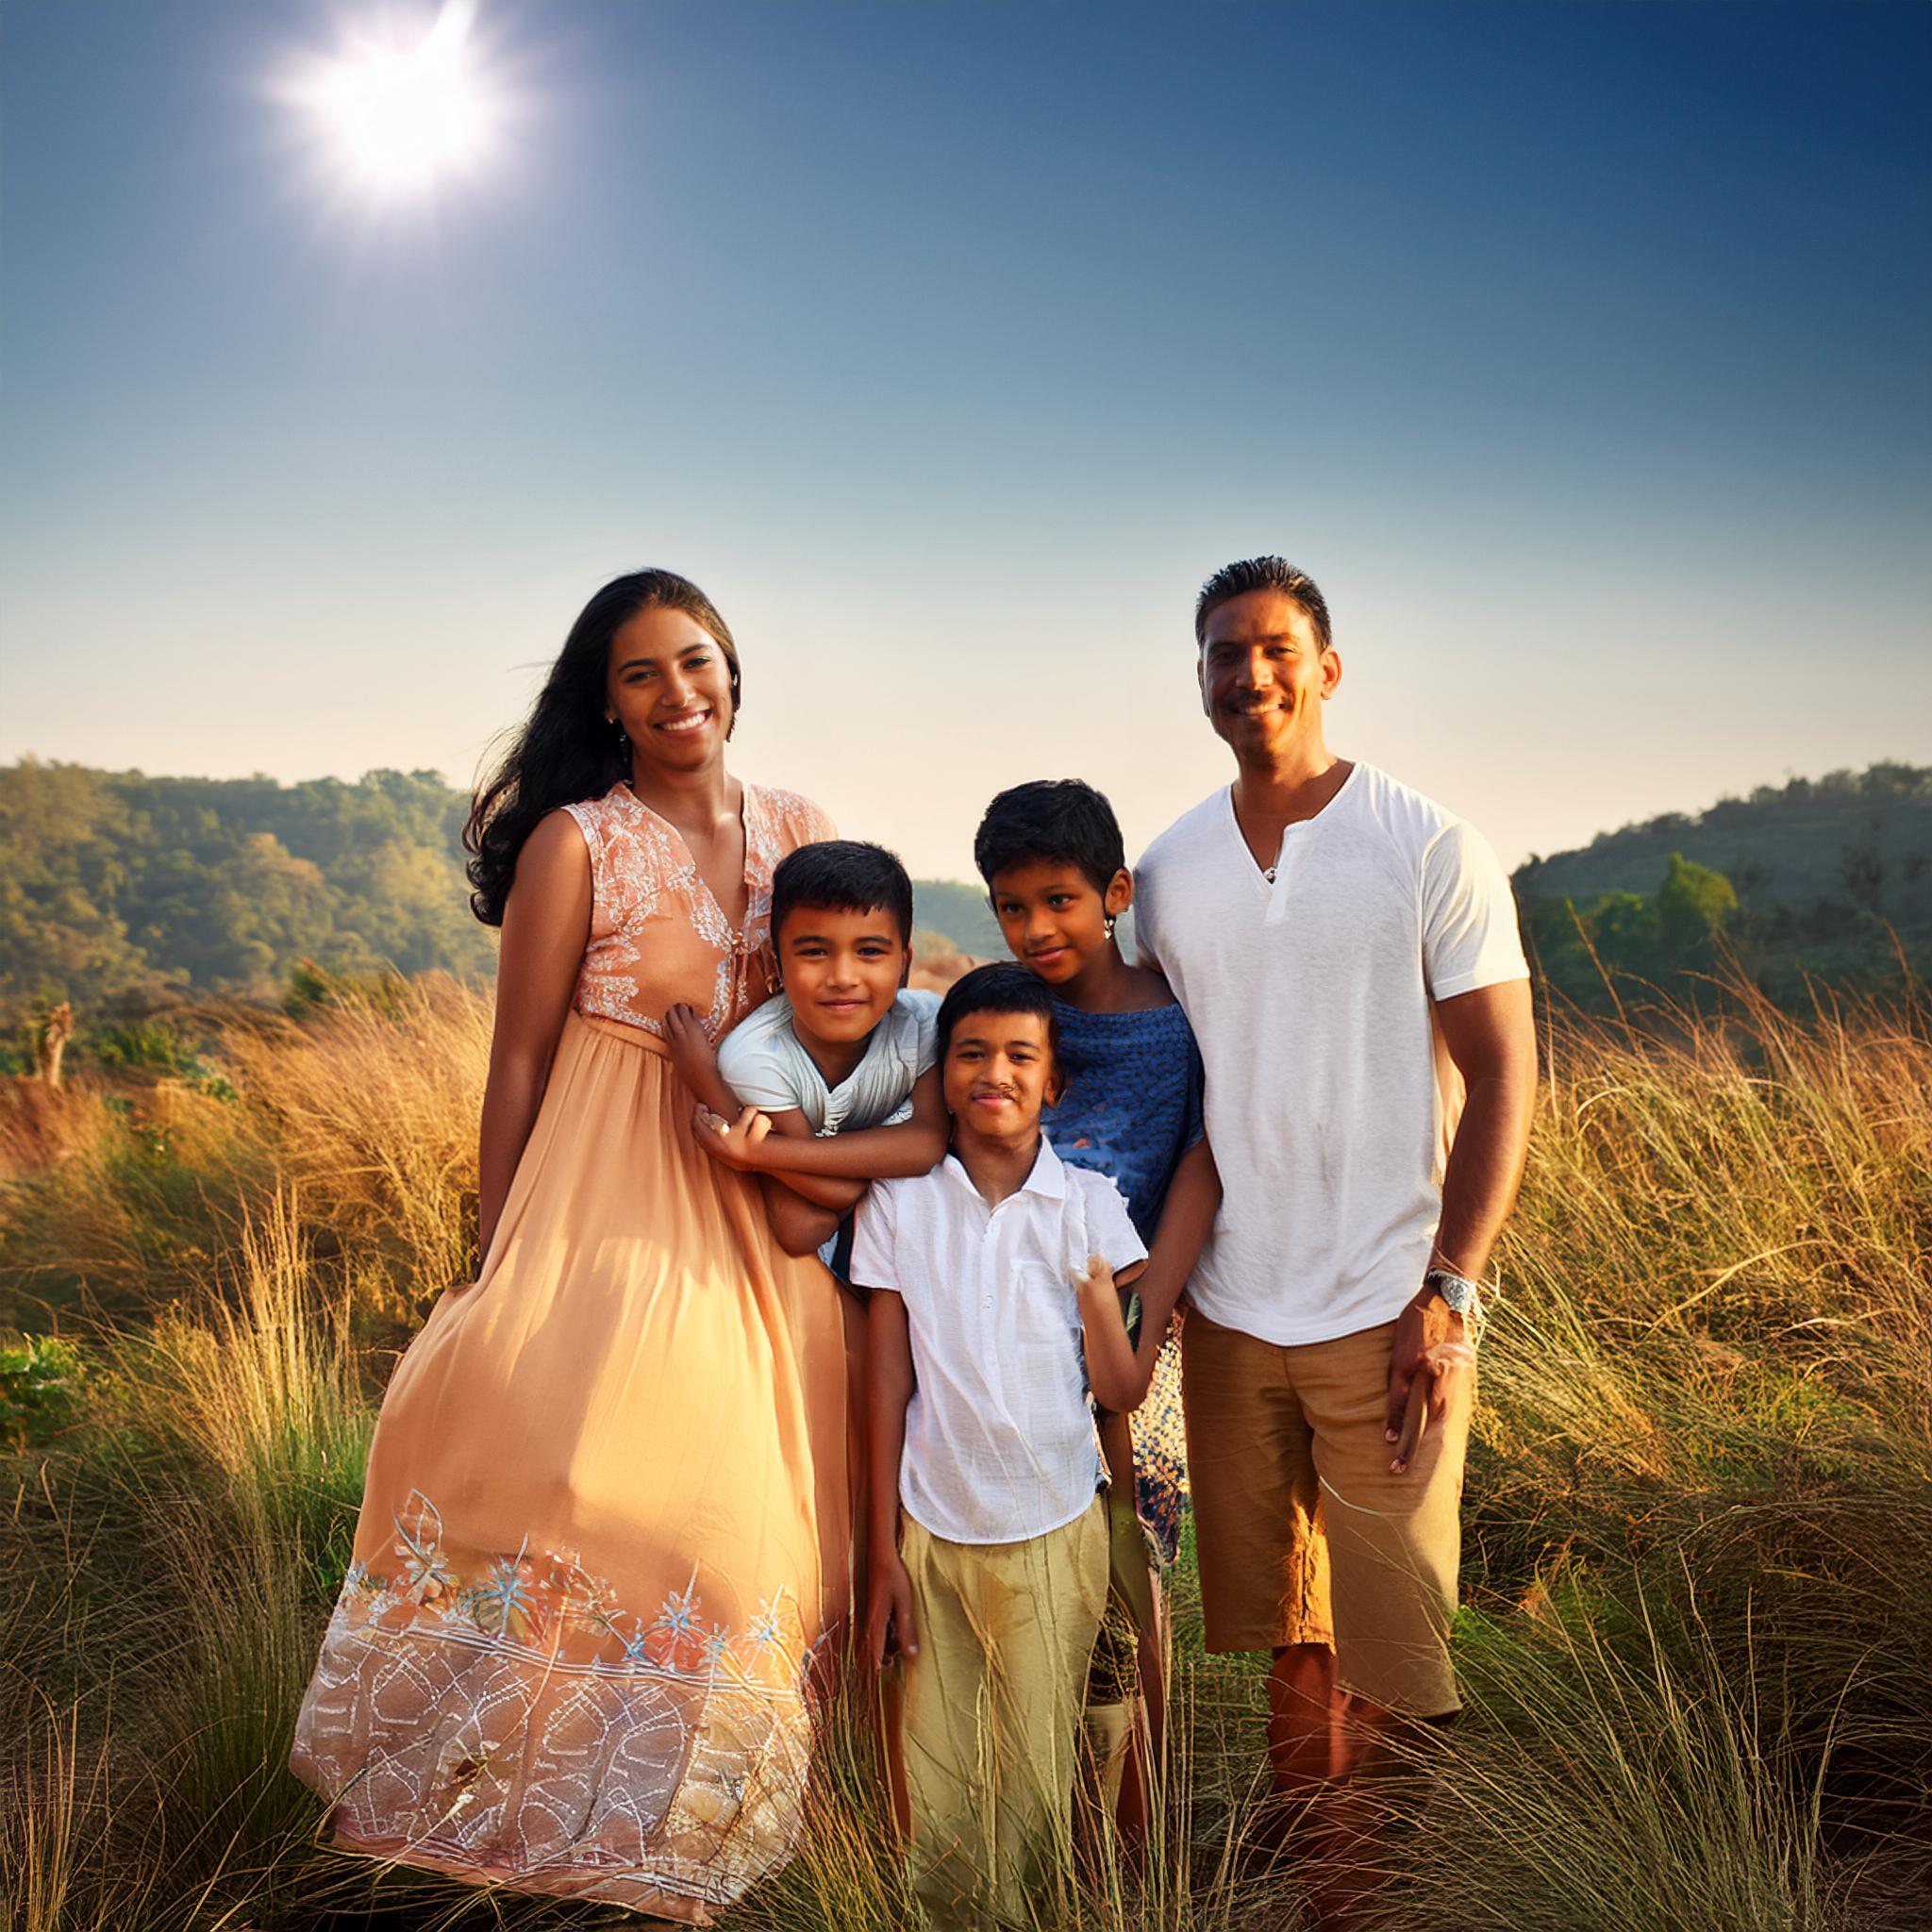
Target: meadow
<point>1696,1637</point>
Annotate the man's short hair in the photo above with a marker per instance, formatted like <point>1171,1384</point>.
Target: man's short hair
<point>1001,987</point>
<point>1262,574</point>
<point>842,875</point>
<point>1062,821</point>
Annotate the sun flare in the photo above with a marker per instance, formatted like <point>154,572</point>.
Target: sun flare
<point>401,114</point>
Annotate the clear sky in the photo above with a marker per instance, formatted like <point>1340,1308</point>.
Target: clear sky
<point>1580,352</point>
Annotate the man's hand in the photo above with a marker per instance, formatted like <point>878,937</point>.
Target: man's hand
<point>734,1144</point>
<point>1432,1367</point>
<point>888,1611</point>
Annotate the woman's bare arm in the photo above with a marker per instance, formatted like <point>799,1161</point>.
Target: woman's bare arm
<point>546,926</point>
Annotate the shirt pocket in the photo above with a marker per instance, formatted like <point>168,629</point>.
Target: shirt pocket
<point>1047,1363</point>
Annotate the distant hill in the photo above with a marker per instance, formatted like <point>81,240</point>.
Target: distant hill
<point>119,887</point>
<point>959,911</point>
<point>119,890</point>
<point>1827,878</point>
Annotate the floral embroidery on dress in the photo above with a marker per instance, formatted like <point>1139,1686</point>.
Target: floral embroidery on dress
<point>519,1719</point>
<point>641,869</point>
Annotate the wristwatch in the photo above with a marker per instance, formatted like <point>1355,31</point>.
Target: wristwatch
<point>1461,1295</point>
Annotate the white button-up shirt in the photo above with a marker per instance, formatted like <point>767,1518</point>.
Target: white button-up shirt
<point>999,1436</point>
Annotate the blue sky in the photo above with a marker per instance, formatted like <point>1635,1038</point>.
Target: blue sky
<point>1578,351</point>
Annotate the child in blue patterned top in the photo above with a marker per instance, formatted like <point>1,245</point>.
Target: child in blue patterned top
<point>1054,867</point>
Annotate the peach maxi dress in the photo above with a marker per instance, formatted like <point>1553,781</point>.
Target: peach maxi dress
<point>607,1528</point>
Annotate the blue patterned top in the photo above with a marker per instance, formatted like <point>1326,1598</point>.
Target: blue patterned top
<point>1131,1109</point>
<point>1132,1102</point>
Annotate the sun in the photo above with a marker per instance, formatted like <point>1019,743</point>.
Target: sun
<point>400,113</point>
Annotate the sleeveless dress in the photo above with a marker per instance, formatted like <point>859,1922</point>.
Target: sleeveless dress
<point>606,1532</point>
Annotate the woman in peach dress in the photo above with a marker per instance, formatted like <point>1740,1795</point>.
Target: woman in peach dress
<point>605,1536</point>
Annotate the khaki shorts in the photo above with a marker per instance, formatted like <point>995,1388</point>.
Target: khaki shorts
<point>1302,1535</point>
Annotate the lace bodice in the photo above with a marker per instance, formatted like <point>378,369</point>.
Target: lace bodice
<point>657,933</point>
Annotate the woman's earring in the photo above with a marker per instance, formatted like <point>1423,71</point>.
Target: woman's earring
<point>1107,927</point>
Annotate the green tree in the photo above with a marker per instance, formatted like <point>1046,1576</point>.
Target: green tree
<point>1693,905</point>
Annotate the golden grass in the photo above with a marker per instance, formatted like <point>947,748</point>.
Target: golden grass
<point>372,1108</point>
<point>1699,1559</point>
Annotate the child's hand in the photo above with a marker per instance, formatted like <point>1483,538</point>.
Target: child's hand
<point>690,1052</point>
<point>735,1143</point>
<point>888,1612</point>
<point>1112,1371</point>
<point>1096,1285</point>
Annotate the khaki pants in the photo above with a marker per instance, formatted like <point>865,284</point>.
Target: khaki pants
<point>990,1710</point>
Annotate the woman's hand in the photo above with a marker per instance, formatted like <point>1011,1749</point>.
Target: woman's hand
<point>733,1143</point>
<point>888,1611</point>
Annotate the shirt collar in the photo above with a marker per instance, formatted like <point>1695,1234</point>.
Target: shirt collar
<point>1047,1177</point>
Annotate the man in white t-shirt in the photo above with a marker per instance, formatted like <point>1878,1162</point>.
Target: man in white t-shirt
<point>1344,949</point>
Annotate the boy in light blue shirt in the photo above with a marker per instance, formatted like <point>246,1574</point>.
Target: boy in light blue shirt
<point>830,1084</point>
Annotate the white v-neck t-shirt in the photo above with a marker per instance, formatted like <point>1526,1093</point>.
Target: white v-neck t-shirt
<point>1327,1097</point>
<point>999,1437</point>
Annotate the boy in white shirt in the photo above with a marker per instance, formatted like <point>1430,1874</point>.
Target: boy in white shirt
<point>845,1050</point>
<point>995,1310</point>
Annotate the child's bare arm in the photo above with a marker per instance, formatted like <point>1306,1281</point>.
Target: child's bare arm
<point>888,1383</point>
<point>1112,1371</point>
<point>801,1226</point>
<point>870,1154</point>
<point>1193,1198</point>
<point>696,1060</point>
<point>821,1191</point>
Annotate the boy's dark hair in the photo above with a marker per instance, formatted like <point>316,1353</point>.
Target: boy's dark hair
<point>1063,821</point>
<point>1261,573</point>
<point>1001,987</point>
<point>842,875</point>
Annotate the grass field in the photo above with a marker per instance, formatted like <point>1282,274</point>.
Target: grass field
<point>1697,1633</point>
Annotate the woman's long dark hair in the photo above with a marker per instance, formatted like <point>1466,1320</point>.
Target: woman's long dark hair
<point>567,751</point>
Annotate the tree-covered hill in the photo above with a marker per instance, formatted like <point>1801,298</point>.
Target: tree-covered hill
<point>1823,878</point>
<point>119,890</point>
<point>115,887</point>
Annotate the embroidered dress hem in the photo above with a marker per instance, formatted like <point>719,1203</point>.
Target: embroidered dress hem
<point>604,1538</point>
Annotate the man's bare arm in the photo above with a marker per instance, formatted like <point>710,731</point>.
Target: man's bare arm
<point>1491,1036</point>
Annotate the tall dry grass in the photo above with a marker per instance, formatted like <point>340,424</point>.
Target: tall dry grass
<point>123,1201</point>
<point>371,1109</point>
<point>1698,1566</point>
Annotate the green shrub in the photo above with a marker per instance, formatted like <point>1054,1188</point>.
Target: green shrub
<point>42,1388</point>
